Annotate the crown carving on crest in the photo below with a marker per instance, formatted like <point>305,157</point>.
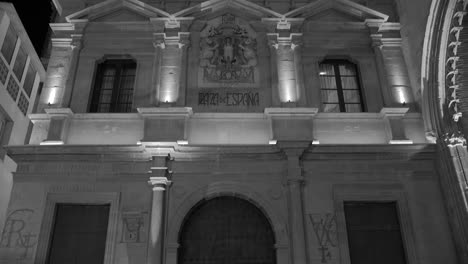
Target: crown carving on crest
<point>228,19</point>
<point>228,27</point>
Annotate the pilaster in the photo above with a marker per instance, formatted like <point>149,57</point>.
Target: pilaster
<point>286,48</point>
<point>388,48</point>
<point>58,127</point>
<point>294,181</point>
<point>165,124</point>
<point>393,118</point>
<point>61,71</point>
<point>291,123</point>
<point>172,48</point>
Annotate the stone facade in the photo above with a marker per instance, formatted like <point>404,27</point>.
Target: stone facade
<point>227,102</point>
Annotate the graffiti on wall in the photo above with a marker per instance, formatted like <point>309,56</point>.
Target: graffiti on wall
<point>324,226</point>
<point>228,99</point>
<point>15,234</point>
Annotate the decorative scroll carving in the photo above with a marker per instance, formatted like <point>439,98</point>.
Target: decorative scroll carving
<point>454,90</point>
<point>228,53</point>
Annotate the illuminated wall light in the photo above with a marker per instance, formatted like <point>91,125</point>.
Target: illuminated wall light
<point>182,142</point>
<point>51,99</point>
<point>51,143</point>
<point>322,73</point>
<point>400,94</point>
<point>272,141</point>
<point>400,142</point>
<point>169,90</point>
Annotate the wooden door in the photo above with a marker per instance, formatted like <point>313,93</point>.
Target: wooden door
<point>226,230</point>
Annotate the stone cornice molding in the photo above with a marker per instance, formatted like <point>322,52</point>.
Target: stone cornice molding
<point>165,111</point>
<point>293,113</point>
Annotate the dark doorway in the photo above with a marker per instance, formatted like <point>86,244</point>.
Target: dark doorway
<point>226,230</point>
<point>79,234</point>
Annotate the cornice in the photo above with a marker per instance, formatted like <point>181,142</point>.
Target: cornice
<point>371,152</point>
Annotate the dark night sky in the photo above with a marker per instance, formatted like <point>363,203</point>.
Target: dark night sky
<point>35,15</point>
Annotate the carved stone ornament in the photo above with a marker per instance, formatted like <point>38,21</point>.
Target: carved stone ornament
<point>228,52</point>
<point>454,89</point>
<point>455,139</point>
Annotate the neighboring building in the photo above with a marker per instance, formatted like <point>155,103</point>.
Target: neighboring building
<point>236,131</point>
<point>21,73</point>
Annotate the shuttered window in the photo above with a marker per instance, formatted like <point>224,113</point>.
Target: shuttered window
<point>79,234</point>
<point>374,234</point>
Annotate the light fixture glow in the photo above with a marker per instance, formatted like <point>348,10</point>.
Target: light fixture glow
<point>322,73</point>
<point>400,142</point>
<point>182,142</point>
<point>51,142</point>
<point>52,96</point>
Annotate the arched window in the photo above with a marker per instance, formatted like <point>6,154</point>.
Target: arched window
<point>113,86</point>
<point>226,230</point>
<point>340,87</point>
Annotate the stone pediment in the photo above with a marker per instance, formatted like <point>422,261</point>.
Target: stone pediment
<point>118,10</point>
<point>336,10</point>
<point>240,8</point>
<point>332,15</point>
<point>122,15</point>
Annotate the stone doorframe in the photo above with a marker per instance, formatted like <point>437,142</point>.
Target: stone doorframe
<point>227,189</point>
<point>111,198</point>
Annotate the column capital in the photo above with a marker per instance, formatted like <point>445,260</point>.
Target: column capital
<point>76,41</point>
<point>162,40</point>
<point>281,39</point>
<point>159,183</point>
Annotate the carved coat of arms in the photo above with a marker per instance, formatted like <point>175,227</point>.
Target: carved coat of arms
<point>228,53</point>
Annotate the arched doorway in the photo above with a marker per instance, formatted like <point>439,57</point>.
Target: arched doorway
<point>226,230</point>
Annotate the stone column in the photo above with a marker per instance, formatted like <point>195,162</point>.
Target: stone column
<point>171,50</point>
<point>159,182</point>
<point>288,90</point>
<point>295,182</point>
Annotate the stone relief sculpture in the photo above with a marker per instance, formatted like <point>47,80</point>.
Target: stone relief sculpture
<point>228,53</point>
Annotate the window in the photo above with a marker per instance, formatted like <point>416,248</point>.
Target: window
<point>20,62</point>
<point>79,234</point>
<point>113,88</point>
<point>30,78</point>
<point>340,87</point>
<point>6,124</point>
<point>374,234</point>
<point>9,44</point>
